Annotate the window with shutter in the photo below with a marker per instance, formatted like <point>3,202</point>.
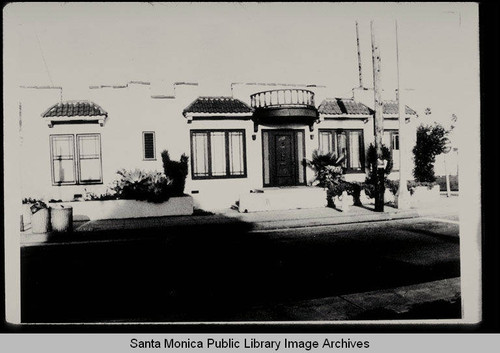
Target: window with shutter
<point>149,149</point>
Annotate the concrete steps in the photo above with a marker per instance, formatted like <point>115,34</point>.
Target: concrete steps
<point>286,198</point>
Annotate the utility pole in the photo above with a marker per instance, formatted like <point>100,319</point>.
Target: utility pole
<point>359,57</point>
<point>402,199</point>
<point>379,124</point>
<point>447,176</point>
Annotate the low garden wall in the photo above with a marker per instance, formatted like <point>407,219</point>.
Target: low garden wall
<point>117,209</point>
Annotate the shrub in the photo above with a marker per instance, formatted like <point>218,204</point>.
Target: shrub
<point>29,200</point>
<point>353,189</point>
<point>327,168</point>
<point>176,171</point>
<point>392,185</point>
<point>412,184</point>
<point>140,185</point>
<point>430,143</point>
<point>338,189</point>
<point>90,196</point>
<point>369,189</point>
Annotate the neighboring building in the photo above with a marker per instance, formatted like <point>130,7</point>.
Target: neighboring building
<point>255,140</point>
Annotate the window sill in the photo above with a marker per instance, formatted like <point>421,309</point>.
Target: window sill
<point>80,183</point>
<point>148,159</point>
<point>218,177</point>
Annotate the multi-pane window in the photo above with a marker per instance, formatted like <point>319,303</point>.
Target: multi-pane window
<point>76,161</point>
<point>391,140</point>
<point>148,142</point>
<point>344,143</point>
<point>218,154</point>
<point>63,159</point>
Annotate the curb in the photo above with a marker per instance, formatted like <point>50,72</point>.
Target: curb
<point>347,219</point>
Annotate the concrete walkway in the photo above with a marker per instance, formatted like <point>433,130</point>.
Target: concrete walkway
<point>328,216</point>
<point>256,221</point>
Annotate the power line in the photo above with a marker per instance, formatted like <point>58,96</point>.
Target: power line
<point>43,57</point>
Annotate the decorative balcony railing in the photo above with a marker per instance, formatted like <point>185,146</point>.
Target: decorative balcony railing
<point>283,98</point>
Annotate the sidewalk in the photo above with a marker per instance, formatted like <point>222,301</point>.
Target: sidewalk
<point>299,218</point>
<point>252,222</point>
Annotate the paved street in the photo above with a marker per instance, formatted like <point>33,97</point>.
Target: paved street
<point>219,273</point>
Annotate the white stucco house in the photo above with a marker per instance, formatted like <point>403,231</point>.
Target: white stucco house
<point>240,147</point>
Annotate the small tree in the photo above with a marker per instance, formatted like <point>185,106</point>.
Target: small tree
<point>430,143</point>
<point>176,171</point>
<point>329,173</point>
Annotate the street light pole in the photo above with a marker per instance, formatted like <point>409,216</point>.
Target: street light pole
<point>402,199</point>
<point>379,123</point>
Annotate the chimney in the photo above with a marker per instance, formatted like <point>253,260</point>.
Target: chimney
<point>363,95</point>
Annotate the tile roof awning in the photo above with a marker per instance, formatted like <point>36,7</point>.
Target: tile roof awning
<point>218,108</point>
<point>75,112</point>
<point>343,107</point>
<point>391,108</point>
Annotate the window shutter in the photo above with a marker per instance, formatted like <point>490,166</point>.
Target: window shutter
<point>149,145</point>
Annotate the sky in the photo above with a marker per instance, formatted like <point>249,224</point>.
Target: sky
<point>75,45</point>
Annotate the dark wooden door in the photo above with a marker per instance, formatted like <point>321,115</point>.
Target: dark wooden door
<point>283,159</point>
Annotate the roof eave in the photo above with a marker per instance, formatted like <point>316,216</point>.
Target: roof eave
<point>345,116</point>
<point>100,119</point>
<point>193,115</point>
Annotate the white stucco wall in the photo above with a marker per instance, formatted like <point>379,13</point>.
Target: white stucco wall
<point>131,110</point>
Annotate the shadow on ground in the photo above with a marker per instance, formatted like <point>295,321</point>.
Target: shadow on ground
<point>205,273</point>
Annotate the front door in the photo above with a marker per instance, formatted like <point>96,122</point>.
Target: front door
<point>284,158</point>
<point>283,151</point>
